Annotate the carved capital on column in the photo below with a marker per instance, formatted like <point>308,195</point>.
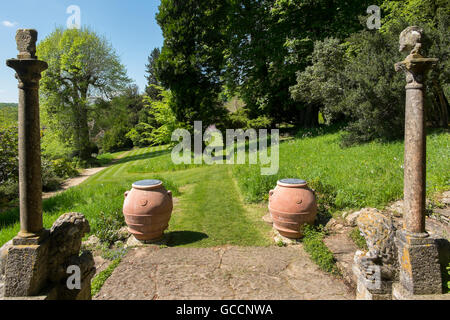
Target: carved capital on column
<point>28,72</point>
<point>415,66</point>
<point>413,80</point>
<point>415,70</point>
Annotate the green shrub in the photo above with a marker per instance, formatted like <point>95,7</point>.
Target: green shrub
<point>91,163</point>
<point>262,122</point>
<point>50,180</point>
<point>240,120</point>
<point>325,197</point>
<point>370,95</point>
<point>108,226</point>
<point>116,139</point>
<point>358,239</point>
<point>52,171</point>
<point>317,250</point>
<point>64,168</point>
<point>53,145</point>
<point>8,153</point>
<point>9,190</point>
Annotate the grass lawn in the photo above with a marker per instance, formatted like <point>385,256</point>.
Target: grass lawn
<point>208,212</point>
<point>355,177</point>
<point>106,158</point>
<point>222,204</point>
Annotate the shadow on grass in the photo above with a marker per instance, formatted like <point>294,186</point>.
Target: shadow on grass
<point>9,217</point>
<point>179,238</point>
<point>49,206</point>
<point>147,155</point>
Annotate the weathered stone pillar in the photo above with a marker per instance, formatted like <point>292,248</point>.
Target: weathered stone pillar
<point>26,266</point>
<point>418,254</point>
<point>29,70</point>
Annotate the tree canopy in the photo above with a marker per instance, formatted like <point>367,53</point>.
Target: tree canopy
<point>152,75</point>
<point>252,47</point>
<point>82,66</point>
<point>191,60</point>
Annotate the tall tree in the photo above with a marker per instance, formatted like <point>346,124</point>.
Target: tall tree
<point>82,66</point>
<point>152,76</point>
<point>272,40</point>
<point>356,77</point>
<point>191,61</point>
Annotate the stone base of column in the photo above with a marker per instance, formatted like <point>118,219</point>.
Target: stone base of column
<point>400,293</point>
<point>420,271</point>
<point>26,266</point>
<point>371,289</point>
<point>36,267</point>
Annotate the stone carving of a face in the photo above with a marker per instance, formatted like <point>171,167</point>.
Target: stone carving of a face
<point>410,40</point>
<point>26,43</point>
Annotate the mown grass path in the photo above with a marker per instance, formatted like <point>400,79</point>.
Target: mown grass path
<point>132,157</point>
<point>211,212</point>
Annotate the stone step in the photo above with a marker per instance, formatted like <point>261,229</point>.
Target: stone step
<point>343,250</point>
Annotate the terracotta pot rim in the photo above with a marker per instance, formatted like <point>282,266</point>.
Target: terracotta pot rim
<point>301,184</point>
<point>155,184</point>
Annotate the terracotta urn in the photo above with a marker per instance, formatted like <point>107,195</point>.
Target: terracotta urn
<point>147,209</point>
<point>291,205</point>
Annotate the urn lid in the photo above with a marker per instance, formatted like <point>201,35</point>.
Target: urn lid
<point>147,184</point>
<point>292,183</point>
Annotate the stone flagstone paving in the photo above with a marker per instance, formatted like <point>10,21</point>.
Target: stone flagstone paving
<point>225,273</point>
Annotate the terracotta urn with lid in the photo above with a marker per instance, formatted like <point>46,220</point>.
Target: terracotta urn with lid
<point>147,209</point>
<point>291,205</point>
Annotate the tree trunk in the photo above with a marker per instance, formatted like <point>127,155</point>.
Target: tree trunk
<point>84,145</point>
<point>309,116</point>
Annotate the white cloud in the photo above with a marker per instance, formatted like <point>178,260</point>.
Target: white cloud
<point>9,24</point>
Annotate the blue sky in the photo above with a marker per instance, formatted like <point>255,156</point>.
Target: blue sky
<point>129,25</point>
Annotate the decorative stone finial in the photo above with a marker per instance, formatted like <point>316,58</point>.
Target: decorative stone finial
<point>26,43</point>
<point>411,40</point>
<point>415,65</point>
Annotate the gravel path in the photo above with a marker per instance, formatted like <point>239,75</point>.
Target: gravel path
<point>86,174</point>
<point>74,181</point>
<point>225,273</point>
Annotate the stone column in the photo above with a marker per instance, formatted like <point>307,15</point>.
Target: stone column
<point>418,254</point>
<point>26,265</point>
<point>29,70</point>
